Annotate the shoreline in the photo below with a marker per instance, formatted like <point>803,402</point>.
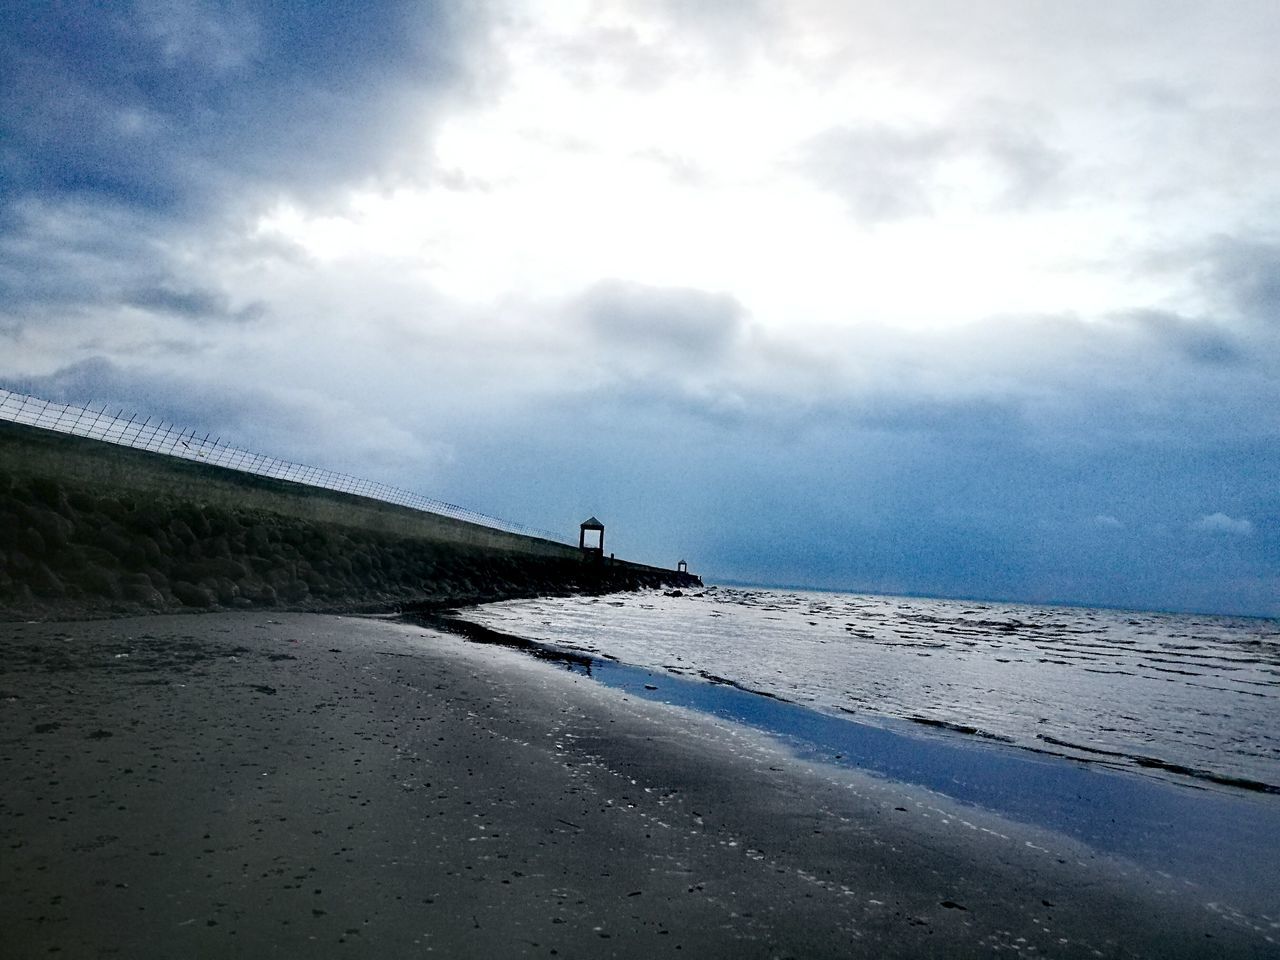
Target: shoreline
<point>1182,701</point>
<point>256,782</point>
<point>1227,836</point>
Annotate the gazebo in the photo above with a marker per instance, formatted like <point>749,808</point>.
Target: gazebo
<point>682,567</point>
<point>595,526</point>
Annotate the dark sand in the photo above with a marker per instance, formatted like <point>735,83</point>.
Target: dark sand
<point>274,785</point>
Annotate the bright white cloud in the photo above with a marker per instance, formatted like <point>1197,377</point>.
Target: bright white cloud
<point>824,181</point>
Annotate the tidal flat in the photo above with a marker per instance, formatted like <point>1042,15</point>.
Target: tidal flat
<point>262,783</point>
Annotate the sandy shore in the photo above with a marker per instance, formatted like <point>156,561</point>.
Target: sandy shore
<point>261,784</point>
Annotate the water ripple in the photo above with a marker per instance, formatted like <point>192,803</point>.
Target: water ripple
<point>1165,695</point>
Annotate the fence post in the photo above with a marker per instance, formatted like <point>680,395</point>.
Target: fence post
<point>76,423</point>
<point>124,431</point>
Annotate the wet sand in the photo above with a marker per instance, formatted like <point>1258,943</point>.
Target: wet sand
<point>263,784</point>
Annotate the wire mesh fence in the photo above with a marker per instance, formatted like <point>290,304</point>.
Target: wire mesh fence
<point>158,437</point>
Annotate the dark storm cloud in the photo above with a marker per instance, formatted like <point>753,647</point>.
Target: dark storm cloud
<point>58,261</point>
<point>59,256</point>
<point>165,105</point>
<point>132,134</point>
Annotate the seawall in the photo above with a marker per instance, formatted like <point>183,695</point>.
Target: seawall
<point>89,528</point>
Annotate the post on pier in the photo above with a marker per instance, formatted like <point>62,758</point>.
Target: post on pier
<point>596,551</point>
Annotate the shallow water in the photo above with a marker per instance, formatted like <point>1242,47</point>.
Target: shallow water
<point>1175,697</point>
<point>1225,843</point>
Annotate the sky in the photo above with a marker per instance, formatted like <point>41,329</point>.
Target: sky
<point>907,296</point>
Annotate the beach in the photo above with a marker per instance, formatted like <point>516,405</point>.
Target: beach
<point>262,783</point>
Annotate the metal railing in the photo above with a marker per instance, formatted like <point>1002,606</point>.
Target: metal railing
<point>158,437</point>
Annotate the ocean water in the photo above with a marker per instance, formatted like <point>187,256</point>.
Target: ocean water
<point>1181,698</point>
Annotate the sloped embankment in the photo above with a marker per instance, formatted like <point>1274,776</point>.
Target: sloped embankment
<point>89,529</point>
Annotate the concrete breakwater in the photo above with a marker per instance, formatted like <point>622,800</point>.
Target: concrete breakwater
<point>91,529</point>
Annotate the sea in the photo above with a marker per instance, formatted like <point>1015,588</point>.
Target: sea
<point>1152,738</point>
<point>1176,697</point>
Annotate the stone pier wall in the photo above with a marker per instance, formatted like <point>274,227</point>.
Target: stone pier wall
<point>92,529</point>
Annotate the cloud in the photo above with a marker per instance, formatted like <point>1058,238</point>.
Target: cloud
<point>59,255</point>
<point>81,272</point>
<point>193,303</point>
<point>1202,342</point>
<point>281,420</point>
<point>1221,523</point>
<point>523,229</point>
<point>619,55</point>
<point>172,105</point>
<point>891,172</point>
<point>1246,270</point>
<point>682,324</point>
<point>881,173</point>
